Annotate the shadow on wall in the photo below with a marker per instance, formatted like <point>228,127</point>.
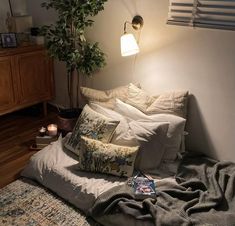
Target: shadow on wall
<point>198,139</point>
<point>130,6</point>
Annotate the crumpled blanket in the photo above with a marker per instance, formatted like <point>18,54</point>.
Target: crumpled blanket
<point>203,195</point>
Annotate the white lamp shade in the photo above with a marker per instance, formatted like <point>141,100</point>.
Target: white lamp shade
<point>129,45</point>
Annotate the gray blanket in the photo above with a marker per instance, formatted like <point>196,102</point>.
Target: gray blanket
<point>204,195</point>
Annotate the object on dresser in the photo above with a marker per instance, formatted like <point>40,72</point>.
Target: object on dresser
<point>22,23</point>
<point>23,39</point>
<point>35,36</point>
<point>144,187</point>
<point>8,40</point>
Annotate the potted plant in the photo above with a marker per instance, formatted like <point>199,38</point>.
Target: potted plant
<point>66,41</point>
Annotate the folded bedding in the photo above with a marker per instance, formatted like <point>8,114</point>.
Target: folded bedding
<point>203,195</point>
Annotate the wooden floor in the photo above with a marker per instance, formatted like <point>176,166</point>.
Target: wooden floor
<point>17,133</point>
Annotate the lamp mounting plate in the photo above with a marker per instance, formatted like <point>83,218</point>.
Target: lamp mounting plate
<point>137,22</point>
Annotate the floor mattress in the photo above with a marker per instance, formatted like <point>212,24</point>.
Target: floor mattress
<point>57,169</point>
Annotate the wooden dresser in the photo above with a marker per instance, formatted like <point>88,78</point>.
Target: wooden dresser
<point>26,78</point>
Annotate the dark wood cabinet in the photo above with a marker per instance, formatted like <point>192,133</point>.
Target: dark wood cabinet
<point>26,78</point>
<point>7,94</point>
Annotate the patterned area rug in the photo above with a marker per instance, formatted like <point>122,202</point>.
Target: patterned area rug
<point>25,202</point>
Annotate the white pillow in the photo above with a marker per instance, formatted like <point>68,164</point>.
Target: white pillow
<point>150,136</point>
<point>106,104</point>
<point>93,125</point>
<point>175,131</point>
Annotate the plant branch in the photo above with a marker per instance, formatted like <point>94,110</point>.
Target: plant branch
<point>66,41</point>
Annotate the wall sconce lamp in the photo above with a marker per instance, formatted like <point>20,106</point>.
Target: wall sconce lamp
<point>129,45</point>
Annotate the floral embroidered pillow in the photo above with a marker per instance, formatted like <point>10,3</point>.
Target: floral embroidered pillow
<point>98,157</point>
<point>93,125</point>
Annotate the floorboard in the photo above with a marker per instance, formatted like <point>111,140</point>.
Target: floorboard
<point>17,133</point>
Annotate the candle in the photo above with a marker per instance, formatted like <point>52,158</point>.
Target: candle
<point>42,131</point>
<point>52,130</point>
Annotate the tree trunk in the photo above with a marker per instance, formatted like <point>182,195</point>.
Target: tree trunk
<point>71,81</point>
<point>69,88</point>
<point>73,85</point>
<point>78,89</point>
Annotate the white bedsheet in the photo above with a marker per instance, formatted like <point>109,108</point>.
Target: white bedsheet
<point>57,169</point>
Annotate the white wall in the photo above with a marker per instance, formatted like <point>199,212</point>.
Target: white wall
<point>4,9</point>
<point>199,60</point>
<point>41,16</point>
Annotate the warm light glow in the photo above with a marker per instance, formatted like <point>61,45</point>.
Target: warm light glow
<point>129,45</point>
<point>52,130</point>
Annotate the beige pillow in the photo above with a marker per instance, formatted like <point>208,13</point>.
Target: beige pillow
<point>93,125</point>
<point>94,94</point>
<point>174,102</point>
<point>138,98</point>
<point>105,98</point>
<point>98,157</point>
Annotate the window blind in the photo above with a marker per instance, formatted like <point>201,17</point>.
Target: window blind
<point>218,14</point>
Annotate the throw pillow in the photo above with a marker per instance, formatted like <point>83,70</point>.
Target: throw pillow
<point>122,126</point>
<point>105,98</point>
<point>138,98</point>
<point>175,131</point>
<point>174,102</point>
<point>93,125</point>
<point>150,136</point>
<point>99,157</point>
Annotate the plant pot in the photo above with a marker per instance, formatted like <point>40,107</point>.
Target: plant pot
<point>67,119</point>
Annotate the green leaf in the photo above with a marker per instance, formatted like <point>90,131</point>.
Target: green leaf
<point>65,39</point>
